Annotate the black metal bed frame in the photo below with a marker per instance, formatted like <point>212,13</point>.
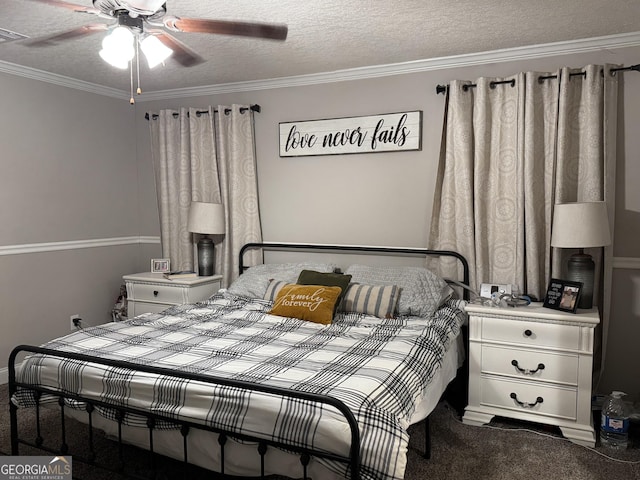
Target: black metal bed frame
<point>152,418</point>
<point>305,454</point>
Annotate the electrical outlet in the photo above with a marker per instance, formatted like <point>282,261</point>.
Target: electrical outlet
<point>75,322</point>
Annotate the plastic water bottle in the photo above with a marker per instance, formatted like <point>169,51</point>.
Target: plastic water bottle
<point>614,427</point>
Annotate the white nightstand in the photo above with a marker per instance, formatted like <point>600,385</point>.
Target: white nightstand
<point>151,293</point>
<point>532,363</point>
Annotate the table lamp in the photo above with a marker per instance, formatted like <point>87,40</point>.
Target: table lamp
<point>206,219</point>
<point>581,225</point>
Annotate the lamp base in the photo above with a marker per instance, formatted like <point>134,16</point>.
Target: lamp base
<point>205,257</point>
<point>581,268</point>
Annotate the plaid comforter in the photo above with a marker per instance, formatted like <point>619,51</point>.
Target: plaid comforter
<point>378,368</point>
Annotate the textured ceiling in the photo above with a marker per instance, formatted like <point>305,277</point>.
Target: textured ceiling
<point>324,35</point>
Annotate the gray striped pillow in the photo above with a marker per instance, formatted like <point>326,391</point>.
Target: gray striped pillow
<point>377,300</point>
<point>272,290</point>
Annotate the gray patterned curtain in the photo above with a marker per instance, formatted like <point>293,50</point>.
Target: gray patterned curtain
<point>512,148</point>
<point>206,157</point>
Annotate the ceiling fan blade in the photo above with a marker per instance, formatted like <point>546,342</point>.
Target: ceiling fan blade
<point>181,53</point>
<point>71,6</point>
<point>67,35</point>
<point>224,27</point>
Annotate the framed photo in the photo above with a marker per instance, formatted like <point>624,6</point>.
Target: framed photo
<point>563,295</point>
<point>160,265</point>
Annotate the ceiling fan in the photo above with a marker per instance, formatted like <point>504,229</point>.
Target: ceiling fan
<point>150,17</point>
<point>145,24</point>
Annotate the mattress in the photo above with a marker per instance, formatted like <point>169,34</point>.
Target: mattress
<point>389,372</point>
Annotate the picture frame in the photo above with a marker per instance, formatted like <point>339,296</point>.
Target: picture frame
<point>160,265</point>
<point>563,295</point>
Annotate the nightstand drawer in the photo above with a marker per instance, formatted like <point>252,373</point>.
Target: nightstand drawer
<point>534,398</point>
<point>537,365</point>
<point>535,334</point>
<point>150,292</point>
<point>138,308</point>
<point>158,293</point>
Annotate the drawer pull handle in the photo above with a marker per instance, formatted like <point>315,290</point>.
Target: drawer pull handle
<point>528,333</point>
<point>526,371</point>
<point>525,404</point>
<point>155,293</point>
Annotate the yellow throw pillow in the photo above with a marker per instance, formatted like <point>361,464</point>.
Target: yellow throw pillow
<point>306,302</point>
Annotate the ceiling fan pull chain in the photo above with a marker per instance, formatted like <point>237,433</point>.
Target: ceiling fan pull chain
<point>131,100</point>
<point>137,42</point>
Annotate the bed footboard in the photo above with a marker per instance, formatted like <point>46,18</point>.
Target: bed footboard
<point>352,460</point>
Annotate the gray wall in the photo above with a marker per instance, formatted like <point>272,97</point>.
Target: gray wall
<point>69,174</point>
<point>85,162</point>
<point>386,198</point>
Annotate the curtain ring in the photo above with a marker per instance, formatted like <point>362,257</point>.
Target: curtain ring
<point>227,111</point>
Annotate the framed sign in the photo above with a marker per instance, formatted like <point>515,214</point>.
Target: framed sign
<point>563,295</point>
<point>387,132</point>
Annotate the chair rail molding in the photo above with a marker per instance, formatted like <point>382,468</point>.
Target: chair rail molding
<point>75,244</point>
<point>628,263</point>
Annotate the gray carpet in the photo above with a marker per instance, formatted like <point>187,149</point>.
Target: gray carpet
<point>502,450</point>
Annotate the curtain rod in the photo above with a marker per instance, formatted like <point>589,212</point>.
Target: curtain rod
<point>227,111</point>
<point>542,78</point>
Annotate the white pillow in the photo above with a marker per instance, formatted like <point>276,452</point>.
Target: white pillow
<point>421,291</point>
<point>254,281</point>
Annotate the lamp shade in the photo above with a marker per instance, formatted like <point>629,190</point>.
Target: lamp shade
<point>154,50</point>
<point>580,225</point>
<point>118,47</point>
<point>206,218</point>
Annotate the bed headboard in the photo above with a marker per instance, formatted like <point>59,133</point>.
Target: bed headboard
<point>360,249</point>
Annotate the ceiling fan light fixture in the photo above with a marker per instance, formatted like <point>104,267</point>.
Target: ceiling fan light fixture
<point>117,47</point>
<point>154,50</point>
<point>114,59</point>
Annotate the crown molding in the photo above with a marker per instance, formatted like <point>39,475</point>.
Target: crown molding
<point>622,40</point>
<point>54,78</point>
<point>74,245</point>
<point>441,63</point>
